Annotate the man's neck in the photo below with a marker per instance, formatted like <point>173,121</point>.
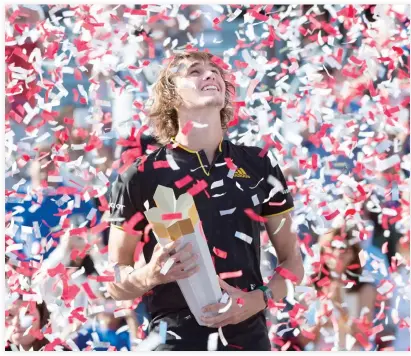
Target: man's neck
<point>205,138</point>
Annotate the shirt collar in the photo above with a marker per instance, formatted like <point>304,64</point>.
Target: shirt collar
<point>173,141</point>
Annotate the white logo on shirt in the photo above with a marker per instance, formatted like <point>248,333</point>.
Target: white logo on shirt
<point>116,206</point>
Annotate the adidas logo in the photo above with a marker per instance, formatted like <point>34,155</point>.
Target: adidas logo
<point>240,173</point>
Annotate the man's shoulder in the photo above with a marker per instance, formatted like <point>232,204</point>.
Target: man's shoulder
<point>143,166</point>
<point>246,151</point>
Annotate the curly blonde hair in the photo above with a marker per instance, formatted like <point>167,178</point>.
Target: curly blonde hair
<point>163,117</point>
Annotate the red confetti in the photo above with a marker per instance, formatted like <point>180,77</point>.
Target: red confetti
<point>171,216</point>
<point>332,215</point>
<point>252,215</point>
<point>286,274</point>
<point>220,253</point>
<point>183,181</point>
<point>161,164</point>
<point>59,269</point>
<point>187,127</point>
<point>231,166</point>
<point>88,290</point>
<point>226,275</point>
<point>198,187</point>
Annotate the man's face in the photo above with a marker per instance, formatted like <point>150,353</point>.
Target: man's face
<point>200,85</point>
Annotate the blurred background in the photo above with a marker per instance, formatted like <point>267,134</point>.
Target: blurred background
<point>325,88</point>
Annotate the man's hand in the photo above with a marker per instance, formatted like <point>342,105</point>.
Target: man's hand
<point>184,266</point>
<point>240,307</point>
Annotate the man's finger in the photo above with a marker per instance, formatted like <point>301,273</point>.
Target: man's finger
<point>184,253</point>
<point>213,308</point>
<point>187,264</point>
<point>216,320</point>
<point>185,274</point>
<point>171,246</point>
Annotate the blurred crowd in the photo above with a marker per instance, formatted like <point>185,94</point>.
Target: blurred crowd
<point>326,88</point>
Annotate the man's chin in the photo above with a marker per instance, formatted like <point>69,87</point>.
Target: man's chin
<point>212,102</point>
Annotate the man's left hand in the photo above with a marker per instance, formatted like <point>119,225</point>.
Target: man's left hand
<point>240,307</point>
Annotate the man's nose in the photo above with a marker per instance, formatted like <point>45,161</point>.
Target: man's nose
<point>209,75</point>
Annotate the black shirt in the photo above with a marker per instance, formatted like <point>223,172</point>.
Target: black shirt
<point>239,186</point>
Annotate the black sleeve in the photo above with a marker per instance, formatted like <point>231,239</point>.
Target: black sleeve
<point>126,201</point>
<point>276,188</point>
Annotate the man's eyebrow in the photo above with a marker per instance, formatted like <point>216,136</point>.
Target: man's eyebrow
<point>198,63</point>
<point>193,65</point>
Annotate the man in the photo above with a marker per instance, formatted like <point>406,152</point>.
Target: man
<point>234,192</point>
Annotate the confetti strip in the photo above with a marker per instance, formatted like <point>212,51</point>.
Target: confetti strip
<point>286,274</point>
<point>226,275</point>
<point>163,331</point>
<point>252,215</point>
<point>217,184</point>
<point>244,237</point>
<point>169,263</point>
<point>178,337</point>
<point>222,338</point>
<point>184,181</point>
<point>197,188</point>
<point>212,342</point>
<point>282,222</point>
<point>122,329</point>
<point>225,299</point>
<point>171,216</point>
<point>220,253</point>
<point>227,212</point>
<point>290,292</point>
<point>255,200</point>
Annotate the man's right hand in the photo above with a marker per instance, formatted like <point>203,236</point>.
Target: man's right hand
<point>184,263</point>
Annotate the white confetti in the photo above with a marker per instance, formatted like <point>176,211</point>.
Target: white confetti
<point>363,257</point>
<point>227,212</point>
<point>169,263</point>
<point>122,329</point>
<point>231,173</point>
<point>78,273</point>
<point>257,184</point>
<point>172,162</point>
<point>212,342</point>
<point>255,200</point>
<point>55,179</point>
<point>383,165</point>
<point>222,338</point>
<point>91,214</point>
<point>290,292</point>
<point>218,195</point>
<point>350,341</point>
<point>282,222</point>
<point>225,299</point>
<point>244,237</point>
<point>150,342</point>
<point>217,184</point>
<point>239,186</point>
<point>14,247</point>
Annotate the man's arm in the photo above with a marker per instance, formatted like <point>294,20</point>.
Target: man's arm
<point>288,252</point>
<point>135,282</point>
<point>289,257</point>
<point>121,251</point>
